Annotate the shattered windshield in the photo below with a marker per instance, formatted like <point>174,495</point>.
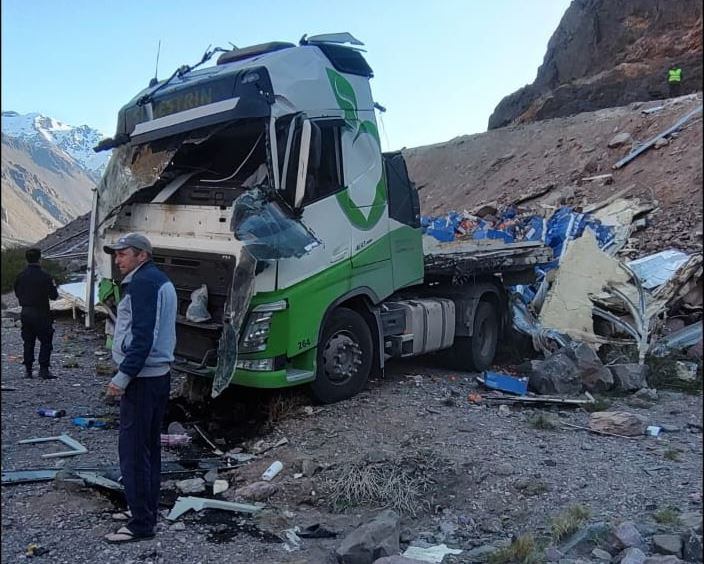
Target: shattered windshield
<point>225,165</point>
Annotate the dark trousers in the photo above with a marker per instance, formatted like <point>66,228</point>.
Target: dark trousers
<point>37,325</point>
<point>142,411</point>
<point>674,89</point>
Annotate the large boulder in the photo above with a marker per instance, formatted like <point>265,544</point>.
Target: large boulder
<point>631,555</point>
<point>595,376</point>
<point>629,377</point>
<point>668,544</point>
<point>625,535</point>
<point>557,374</point>
<point>618,423</point>
<point>692,546</point>
<point>373,540</point>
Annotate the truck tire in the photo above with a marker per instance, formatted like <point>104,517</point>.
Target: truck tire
<point>477,352</point>
<point>344,357</point>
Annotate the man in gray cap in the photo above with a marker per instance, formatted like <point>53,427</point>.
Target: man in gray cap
<point>143,349</point>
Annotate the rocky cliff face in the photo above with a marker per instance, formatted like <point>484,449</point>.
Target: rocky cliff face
<point>608,53</point>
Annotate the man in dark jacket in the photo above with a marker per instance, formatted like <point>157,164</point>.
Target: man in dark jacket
<point>34,288</point>
<point>143,349</point>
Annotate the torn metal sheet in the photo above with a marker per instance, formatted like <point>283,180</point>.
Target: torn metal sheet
<point>544,339</point>
<point>130,169</point>
<point>27,476</point>
<point>184,504</point>
<point>74,445</point>
<point>686,281</point>
<point>656,269</point>
<point>682,339</point>
<point>73,296</point>
<point>236,306</point>
<point>95,479</point>
<point>584,270</point>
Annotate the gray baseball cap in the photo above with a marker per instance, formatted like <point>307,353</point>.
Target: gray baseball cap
<point>135,240</point>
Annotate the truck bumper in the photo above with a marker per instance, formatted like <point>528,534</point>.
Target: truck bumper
<point>274,379</point>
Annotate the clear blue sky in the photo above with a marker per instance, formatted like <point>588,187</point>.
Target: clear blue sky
<point>440,66</point>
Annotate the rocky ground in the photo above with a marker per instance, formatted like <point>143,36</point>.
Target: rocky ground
<point>473,476</point>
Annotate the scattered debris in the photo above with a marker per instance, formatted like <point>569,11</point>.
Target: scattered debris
<point>656,269</point>
<point>175,440</point>
<point>504,383</point>
<point>95,479</point>
<point>184,504</point>
<point>603,178</point>
<point>641,148</point>
<point>260,447</point>
<point>27,476</point>
<point>74,445</point>
<point>679,340</point>
<point>216,450</point>
<point>90,422</point>
<point>47,412</point>
<point>273,470</point>
<point>317,531</point>
<point>430,554</point>
<point>542,399</point>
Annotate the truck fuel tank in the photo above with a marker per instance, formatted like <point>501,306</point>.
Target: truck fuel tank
<point>429,326</point>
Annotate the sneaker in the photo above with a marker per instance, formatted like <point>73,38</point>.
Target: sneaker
<point>45,373</point>
<point>27,371</point>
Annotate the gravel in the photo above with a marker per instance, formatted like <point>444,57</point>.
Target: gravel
<point>499,476</point>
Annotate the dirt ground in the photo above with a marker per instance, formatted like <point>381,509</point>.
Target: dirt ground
<point>481,473</point>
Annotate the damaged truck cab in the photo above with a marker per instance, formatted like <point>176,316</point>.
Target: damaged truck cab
<point>261,180</point>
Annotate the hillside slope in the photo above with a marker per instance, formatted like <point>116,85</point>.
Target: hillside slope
<point>42,189</point>
<point>502,164</point>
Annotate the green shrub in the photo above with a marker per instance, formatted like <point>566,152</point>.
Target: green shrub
<point>569,521</point>
<point>522,550</point>
<point>13,262</point>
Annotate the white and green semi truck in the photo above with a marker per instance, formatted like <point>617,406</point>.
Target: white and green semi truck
<point>262,178</point>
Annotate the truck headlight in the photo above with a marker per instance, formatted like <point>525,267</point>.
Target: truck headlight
<point>261,364</point>
<point>256,333</point>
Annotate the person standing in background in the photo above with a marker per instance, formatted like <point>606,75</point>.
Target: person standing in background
<point>34,287</point>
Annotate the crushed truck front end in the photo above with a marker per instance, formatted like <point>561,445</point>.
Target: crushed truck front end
<point>262,179</point>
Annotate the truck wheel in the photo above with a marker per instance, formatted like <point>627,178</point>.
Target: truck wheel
<point>477,352</point>
<point>344,357</point>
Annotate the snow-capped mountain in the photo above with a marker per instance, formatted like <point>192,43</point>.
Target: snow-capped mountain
<point>76,142</point>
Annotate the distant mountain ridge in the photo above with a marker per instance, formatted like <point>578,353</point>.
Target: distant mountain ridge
<point>77,142</point>
<point>47,174</point>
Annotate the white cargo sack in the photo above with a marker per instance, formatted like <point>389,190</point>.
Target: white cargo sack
<point>198,308</point>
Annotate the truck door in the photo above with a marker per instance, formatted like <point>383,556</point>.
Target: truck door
<point>311,176</point>
<point>404,223</point>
